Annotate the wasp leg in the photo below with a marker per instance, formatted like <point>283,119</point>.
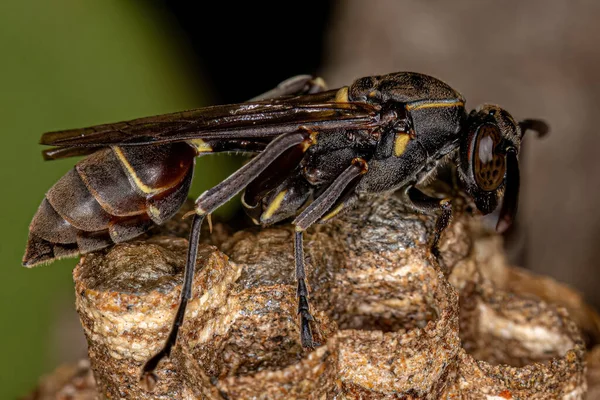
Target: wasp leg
<point>327,199</point>
<point>206,203</point>
<point>306,336</point>
<point>148,377</point>
<point>296,85</point>
<point>309,216</point>
<point>236,182</point>
<point>427,204</point>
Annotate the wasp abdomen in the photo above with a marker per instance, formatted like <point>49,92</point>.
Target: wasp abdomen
<point>47,224</point>
<point>110,185</point>
<point>124,229</point>
<point>74,202</point>
<point>112,196</point>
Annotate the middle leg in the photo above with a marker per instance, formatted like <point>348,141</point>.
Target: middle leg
<point>313,213</point>
<point>306,336</point>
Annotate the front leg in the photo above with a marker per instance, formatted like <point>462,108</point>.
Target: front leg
<point>428,204</point>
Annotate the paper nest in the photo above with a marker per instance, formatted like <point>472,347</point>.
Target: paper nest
<point>392,322</point>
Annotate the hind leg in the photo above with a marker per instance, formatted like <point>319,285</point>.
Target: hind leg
<point>205,205</point>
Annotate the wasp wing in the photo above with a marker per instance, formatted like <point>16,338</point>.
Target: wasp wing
<point>56,153</point>
<point>252,120</point>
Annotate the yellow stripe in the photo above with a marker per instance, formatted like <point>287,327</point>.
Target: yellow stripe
<point>342,95</point>
<point>333,212</point>
<point>246,205</point>
<point>138,182</point>
<point>201,146</point>
<point>418,106</point>
<point>400,144</point>
<point>274,206</point>
<point>154,211</point>
<point>312,140</point>
<point>313,137</point>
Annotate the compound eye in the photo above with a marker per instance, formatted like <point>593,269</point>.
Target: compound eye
<point>489,166</point>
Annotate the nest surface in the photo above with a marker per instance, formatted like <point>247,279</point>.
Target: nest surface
<point>392,321</point>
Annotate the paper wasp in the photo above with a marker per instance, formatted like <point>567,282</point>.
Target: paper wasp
<point>315,151</point>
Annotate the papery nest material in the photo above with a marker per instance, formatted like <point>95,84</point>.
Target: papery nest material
<point>389,320</point>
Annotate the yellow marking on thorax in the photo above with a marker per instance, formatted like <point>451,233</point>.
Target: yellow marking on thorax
<point>313,137</point>
<point>310,141</point>
<point>305,145</point>
<point>201,146</point>
<point>400,143</point>
<point>342,95</point>
<point>138,182</point>
<point>274,206</point>
<point>333,212</point>
<point>418,106</point>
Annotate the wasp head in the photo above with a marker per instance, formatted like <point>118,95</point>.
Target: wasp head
<point>489,164</point>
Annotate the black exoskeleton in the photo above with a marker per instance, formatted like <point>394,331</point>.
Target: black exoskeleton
<point>315,152</point>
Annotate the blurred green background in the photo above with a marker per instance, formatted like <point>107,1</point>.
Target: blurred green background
<point>67,63</point>
<point>71,63</point>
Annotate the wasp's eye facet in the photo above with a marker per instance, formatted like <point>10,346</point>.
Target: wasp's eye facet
<point>489,166</point>
<point>486,149</point>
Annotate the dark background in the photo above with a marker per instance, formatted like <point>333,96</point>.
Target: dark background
<point>69,63</point>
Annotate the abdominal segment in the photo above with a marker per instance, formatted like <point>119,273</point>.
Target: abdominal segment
<point>112,196</point>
